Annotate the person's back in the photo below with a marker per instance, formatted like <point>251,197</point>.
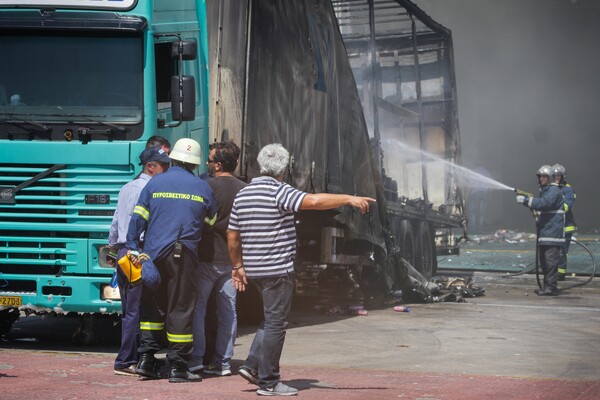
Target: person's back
<point>176,204</point>
<point>265,218</point>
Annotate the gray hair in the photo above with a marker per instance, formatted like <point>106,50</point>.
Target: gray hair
<point>273,160</point>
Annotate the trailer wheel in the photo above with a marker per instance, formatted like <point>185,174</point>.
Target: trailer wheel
<point>425,251</point>
<point>405,239</point>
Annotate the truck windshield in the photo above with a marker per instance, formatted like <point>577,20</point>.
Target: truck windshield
<point>45,76</point>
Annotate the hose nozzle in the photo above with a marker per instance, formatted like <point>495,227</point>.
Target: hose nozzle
<point>522,192</point>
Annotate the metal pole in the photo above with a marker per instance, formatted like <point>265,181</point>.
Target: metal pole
<point>375,83</point>
<point>422,138</point>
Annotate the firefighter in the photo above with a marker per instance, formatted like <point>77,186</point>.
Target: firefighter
<point>550,228</point>
<point>560,178</point>
<point>173,209</point>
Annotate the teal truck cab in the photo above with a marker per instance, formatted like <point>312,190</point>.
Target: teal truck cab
<point>83,85</point>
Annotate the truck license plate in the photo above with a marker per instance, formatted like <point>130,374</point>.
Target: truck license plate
<point>11,301</point>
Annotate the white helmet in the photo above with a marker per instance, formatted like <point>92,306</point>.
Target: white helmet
<point>186,150</point>
<point>544,170</point>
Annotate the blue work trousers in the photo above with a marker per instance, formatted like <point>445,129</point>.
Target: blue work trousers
<point>171,305</point>
<point>549,259</point>
<point>130,318</point>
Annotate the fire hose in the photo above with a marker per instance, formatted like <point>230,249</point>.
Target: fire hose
<point>537,267</point>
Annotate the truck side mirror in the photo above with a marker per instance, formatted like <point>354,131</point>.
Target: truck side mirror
<point>185,48</point>
<point>183,98</point>
<point>183,87</point>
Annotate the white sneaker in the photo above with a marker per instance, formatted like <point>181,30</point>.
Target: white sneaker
<point>278,390</point>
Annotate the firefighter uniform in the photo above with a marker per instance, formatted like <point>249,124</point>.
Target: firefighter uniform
<point>173,209</point>
<point>551,238</point>
<point>570,227</point>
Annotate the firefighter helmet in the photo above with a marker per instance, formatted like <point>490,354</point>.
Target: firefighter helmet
<point>186,150</point>
<point>545,170</point>
<point>558,169</point>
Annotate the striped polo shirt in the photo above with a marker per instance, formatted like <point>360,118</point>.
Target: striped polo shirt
<point>263,213</point>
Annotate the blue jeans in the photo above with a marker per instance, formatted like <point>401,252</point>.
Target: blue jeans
<point>211,276</point>
<point>267,345</point>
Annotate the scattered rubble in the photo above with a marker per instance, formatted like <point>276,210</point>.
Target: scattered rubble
<point>455,289</point>
<point>504,235</point>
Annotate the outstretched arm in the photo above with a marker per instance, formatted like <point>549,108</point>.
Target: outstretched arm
<point>327,201</point>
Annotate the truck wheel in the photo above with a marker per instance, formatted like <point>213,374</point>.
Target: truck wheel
<point>405,239</point>
<point>85,333</point>
<point>7,317</point>
<point>425,251</point>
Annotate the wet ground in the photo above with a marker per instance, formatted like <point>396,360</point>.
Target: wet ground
<point>508,344</point>
<point>510,251</point>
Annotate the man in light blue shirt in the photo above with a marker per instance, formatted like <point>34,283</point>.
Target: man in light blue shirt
<point>155,161</point>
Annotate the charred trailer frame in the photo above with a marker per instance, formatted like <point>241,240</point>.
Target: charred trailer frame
<point>362,95</point>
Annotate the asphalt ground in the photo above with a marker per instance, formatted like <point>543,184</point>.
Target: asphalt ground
<point>507,344</point>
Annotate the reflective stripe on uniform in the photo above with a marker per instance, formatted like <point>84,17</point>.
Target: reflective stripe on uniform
<point>562,270</point>
<point>142,212</point>
<point>212,221</point>
<point>570,228</point>
<point>552,239</point>
<point>151,326</point>
<point>554,212</point>
<point>176,338</point>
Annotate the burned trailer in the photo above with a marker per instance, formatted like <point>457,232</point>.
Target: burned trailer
<point>284,72</point>
<point>404,71</point>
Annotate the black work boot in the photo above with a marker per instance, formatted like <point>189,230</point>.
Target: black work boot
<point>147,366</point>
<point>547,291</point>
<point>183,375</point>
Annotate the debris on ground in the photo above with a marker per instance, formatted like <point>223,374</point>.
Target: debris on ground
<point>456,289</point>
<point>504,235</point>
<point>341,309</point>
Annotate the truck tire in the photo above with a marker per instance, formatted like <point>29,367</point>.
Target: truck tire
<point>405,239</point>
<point>425,251</point>
<point>8,316</point>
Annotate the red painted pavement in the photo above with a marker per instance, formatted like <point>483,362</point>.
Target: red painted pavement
<point>26,375</point>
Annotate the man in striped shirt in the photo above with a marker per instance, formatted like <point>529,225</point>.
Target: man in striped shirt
<point>262,245</point>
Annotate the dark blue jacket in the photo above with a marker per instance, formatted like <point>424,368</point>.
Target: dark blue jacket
<point>569,196</point>
<point>551,222</point>
<point>175,204</point>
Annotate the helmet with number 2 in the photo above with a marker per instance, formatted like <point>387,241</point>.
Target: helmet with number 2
<point>186,150</point>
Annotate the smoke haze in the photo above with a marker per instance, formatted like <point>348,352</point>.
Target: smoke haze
<point>528,81</point>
